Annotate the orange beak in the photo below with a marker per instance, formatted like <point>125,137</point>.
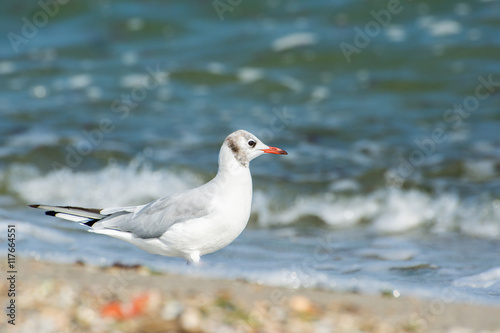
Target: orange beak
<point>274,150</point>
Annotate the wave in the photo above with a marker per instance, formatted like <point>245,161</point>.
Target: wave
<point>114,185</point>
<point>488,279</point>
<point>385,210</point>
<point>391,210</point>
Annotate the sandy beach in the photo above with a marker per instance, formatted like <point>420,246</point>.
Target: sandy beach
<point>387,202</point>
<point>53,297</point>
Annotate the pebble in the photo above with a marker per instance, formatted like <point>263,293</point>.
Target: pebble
<point>301,304</point>
<point>53,305</point>
<point>190,320</point>
<point>172,310</point>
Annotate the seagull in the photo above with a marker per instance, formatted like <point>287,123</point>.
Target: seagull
<point>187,224</point>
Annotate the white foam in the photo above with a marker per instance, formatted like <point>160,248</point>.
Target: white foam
<point>335,211</point>
<point>249,75</point>
<point>292,83</point>
<point>444,28</point>
<point>216,68</point>
<point>33,138</point>
<point>387,211</point>
<point>319,94</point>
<point>40,91</point>
<point>111,186</point>
<point>94,92</point>
<point>402,211</point>
<point>481,169</point>
<point>395,33</point>
<point>483,280</point>
<point>133,80</point>
<point>344,185</point>
<point>130,57</point>
<point>294,40</point>
<point>135,23</point>
<point>25,231</point>
<point>79,81</point>
<point>7,67</point>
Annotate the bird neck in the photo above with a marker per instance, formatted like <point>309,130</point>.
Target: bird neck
<point>229,165</point>
<point>233,180</point>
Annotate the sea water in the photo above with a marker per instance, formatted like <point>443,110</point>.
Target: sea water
<point>392,179</point>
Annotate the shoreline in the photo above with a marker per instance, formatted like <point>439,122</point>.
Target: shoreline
<point>55,297</point>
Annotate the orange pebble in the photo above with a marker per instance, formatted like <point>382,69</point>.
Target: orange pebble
<point>113,310</point>
<point>139,304</point>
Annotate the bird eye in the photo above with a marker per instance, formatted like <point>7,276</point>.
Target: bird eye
<point>252,143</point>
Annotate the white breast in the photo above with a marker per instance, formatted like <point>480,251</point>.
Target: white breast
<point>229,214</point>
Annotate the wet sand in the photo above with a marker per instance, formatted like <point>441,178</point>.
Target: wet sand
<point>52,297</point>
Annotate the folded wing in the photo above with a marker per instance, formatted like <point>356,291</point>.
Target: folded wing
<point>153,220</point>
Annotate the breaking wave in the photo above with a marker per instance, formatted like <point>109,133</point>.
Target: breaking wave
<point>385,210</point>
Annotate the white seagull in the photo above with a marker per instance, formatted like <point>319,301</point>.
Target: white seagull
<point>187,224</point>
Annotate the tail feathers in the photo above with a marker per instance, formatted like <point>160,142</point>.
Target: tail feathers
<point>87,216</point>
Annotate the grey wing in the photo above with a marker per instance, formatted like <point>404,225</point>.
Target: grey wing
<point>152,220</point>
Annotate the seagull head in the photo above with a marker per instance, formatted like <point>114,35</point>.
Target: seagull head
<point>245,147</point>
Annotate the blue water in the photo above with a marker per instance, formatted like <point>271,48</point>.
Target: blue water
<point>390,117</point>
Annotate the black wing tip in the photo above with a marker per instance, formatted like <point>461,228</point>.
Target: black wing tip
<point>90,223</point>
<point>34,206</point>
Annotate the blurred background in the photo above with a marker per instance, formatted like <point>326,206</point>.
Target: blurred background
<point>390,113</point>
